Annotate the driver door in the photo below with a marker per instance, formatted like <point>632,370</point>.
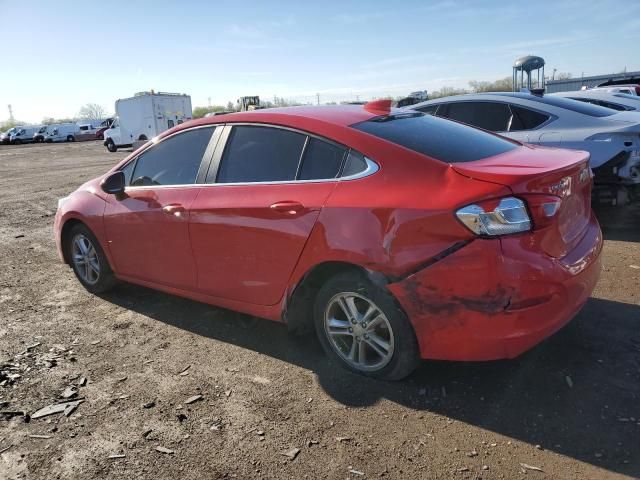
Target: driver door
<point>148,230</point>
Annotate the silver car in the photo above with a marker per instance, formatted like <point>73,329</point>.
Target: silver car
<point>611,137</point>
<point>617,101</point>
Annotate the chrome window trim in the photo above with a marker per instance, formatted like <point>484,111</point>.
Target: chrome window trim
<point>372,167</point>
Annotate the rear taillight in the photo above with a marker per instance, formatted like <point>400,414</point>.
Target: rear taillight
<point>543,208</point>
<point>508,216</point>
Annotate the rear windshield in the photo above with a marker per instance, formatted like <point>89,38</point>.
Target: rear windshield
<point>437,138</point>
<point>561,102</point>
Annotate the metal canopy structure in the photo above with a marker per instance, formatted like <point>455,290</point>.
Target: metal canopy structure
<point>528,65</point>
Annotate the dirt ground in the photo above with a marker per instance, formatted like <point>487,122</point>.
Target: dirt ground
<point>570,408</point>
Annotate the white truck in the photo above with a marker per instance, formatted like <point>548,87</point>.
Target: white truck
<point>144,116</point>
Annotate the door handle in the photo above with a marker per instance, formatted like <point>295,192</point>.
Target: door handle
<point>173,209</point>
<point>290,208</point>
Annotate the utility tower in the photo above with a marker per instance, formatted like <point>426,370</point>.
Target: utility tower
<point>10,113</point>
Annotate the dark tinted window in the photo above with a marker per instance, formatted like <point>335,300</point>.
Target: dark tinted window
<point>430,109</point>
<point>260,154</point>
<point>321,160</point>
<point>560,102</point>
<point>355,164</point>
<point>488,115</point>
<point>525,119</point>
<point>602,103</point>
<point>174,161</point>
<point>438,138</point>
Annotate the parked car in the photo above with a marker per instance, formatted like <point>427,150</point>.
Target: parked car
<point>398,235</point>
<point>144,116</point>
<point>611,137</point>
<point>616,101</point>
<point>38,137</point>
<point>86,131</point>
<point>102,127</point>
<point>61,132</point>
<point>627,89</point>
<point>5,136</point>
<point>24,134</point>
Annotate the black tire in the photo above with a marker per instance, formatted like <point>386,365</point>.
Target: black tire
<point>71,138</point>
<point>111,146</point>
<point>105,279</point>
<point>142,138</point>
<point>405,357</point>
<point>17,141</point>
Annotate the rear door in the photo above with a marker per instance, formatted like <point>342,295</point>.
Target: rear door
<point>148,229</point>
<point>250,224</point>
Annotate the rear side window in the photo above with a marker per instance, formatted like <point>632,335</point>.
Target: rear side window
<point>260,154</point>
<point>525,119</point>
<point>355,164</point>
<point>491,116</point>
<point>429,109</point>
<point>321,160</point>
<point>174,161</point>
<point>437,138</point>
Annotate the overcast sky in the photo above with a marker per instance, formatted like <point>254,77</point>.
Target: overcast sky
<point>60,55</point>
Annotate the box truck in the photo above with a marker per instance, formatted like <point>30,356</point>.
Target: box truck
<point>145,115</point>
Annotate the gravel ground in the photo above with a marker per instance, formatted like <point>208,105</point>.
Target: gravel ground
<point>271,406</point>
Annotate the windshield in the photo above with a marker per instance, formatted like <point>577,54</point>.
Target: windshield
<point>444,140</point>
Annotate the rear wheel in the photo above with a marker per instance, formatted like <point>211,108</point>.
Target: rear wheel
<point>88,261</point>
<point>17,141</point>
<point>71,138</point>
<point>111,146</point>
<point>361,327</point>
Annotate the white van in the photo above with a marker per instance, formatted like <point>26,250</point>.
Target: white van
<point>39,135</point>
<point>61,132</point>
<point>144,116</point>
<point>24,134</point>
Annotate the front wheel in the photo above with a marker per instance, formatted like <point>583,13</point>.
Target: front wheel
<point>88,261</point>
<point>361,327</point>
<point>111,146</point>
<point>71,138</point>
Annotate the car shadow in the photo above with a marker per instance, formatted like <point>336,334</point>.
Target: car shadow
<point>620,223</point>
<point>577,393</point>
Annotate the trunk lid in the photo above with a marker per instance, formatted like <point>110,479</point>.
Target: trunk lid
<point>537,174</point>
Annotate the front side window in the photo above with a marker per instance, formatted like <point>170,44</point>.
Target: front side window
<point>491,116</point>
<point>322,160</point>
<point>174,161</point>
<point>260,154</point>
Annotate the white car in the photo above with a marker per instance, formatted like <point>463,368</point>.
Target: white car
<point>617,101</point>
<point>630,89</point>
<point>611,137</point>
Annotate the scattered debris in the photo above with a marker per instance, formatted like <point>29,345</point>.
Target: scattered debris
<point>9,414</point>
<point>463,469</point>
<point>195,398</point>
<point>355,472</point>
<point>344,439</point>
<point>150,404</point>
<point>531,467</point>
<point>122,379</point>
<point>55,408</point>
<point>181,417</point>
<point>95,342</point>
<point>82,382</point>
<point>147,433</point>
<point>44,437</point>
<point>20,235</point>
<point>164,450</point>
<point>312,442</point>
<point>637,267</point>
<point>184,371</point>
<point>2,450</point>
<point>472,454</point>
<point>70,409</point>
<point>116,456</point>
<point>227,393</point>
<point>485,467</point>
<point>69,392</point>
<point>292,453</point>
<point>569,381</point>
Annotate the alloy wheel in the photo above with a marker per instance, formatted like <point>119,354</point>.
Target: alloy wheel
<point>359,331</point>
<point>85,259</point>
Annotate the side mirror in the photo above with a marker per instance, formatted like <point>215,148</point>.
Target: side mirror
<point>113,184</point>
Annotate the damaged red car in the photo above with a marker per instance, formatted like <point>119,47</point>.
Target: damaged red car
<point>396,235</point>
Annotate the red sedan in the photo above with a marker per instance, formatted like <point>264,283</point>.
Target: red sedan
<point>396,235</point>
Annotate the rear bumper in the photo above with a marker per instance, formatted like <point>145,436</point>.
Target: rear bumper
<point>496,299</point>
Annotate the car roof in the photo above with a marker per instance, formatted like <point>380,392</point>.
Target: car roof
<point>340,115</point>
